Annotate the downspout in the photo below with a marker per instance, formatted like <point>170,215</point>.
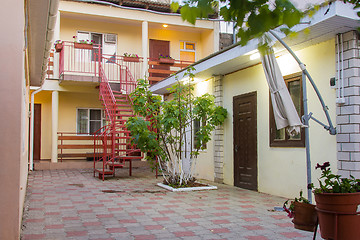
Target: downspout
<point>51,22</point>
<point>31,163</point>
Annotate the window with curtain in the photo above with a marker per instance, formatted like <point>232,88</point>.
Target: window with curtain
<point>187,51</point>
<point>280,138</point>
<point>196,127</point>
<point>89,120</point>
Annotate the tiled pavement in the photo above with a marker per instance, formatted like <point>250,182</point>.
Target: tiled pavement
<point>72,204</point>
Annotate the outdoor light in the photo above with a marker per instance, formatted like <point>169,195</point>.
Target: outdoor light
<point>254,56</point>
<point>165,25</point>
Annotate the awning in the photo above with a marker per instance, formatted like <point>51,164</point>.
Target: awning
<point>285,113</point>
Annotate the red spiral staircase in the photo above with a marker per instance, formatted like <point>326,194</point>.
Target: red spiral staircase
<point>114,138</point>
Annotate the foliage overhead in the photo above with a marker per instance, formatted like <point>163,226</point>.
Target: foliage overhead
<point>253,18</point>
<point>164,129</point>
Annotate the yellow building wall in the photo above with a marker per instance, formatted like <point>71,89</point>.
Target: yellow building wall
<point>129,37</point>
<point>277,166</point>
<point>205,161</point>
<point>68,103</point>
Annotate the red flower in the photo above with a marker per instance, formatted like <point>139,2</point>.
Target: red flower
<point>323,167</point>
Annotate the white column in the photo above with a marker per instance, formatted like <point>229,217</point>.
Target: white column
<point>216,36</point>
<point>145,47</point>
<point>54,125</point>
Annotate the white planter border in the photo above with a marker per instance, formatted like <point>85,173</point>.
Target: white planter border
<point>209,187</point>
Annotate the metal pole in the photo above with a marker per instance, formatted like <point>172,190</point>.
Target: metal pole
<point>307,145</point>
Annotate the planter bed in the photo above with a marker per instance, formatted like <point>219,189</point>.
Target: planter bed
<point>185,189</point>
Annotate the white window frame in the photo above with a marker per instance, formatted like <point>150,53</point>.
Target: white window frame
<point>102,38</point>
<point>187,50</point>
<point>88,120</point>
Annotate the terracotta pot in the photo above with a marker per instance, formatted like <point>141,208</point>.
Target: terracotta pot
<point>166,61</point>
<point>83,46</point>
<point>58,47</point>
<point>131,59</point>
<point>305,216</point>
<point>337,215</point>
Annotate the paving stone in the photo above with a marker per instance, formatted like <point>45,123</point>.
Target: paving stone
<point>57,208</point>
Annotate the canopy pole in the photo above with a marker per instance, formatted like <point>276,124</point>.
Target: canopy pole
<point>307,145</point>
<point>306,116</point>
<point>330,128</point>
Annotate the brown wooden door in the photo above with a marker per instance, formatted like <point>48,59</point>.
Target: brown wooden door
<point>245,141</point>
<point>37,131</point>
<point>157,48</point>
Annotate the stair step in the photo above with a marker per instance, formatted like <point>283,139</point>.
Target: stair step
<point>124,110</point>
<point>116,164</point>
<point>105,172</point>
<point>123,105</point>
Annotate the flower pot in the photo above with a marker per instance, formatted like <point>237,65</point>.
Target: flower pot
<point>58,47</point>
<point>305,216</point>
<point>131,59</point>
<point>166,61</point>
<point>337,215</point>
<point>83,46</point>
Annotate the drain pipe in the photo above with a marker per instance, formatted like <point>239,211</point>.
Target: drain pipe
<point>31,162</point>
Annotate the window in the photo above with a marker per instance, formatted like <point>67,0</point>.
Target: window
<point>106,41</point>
<point>89,120</point>
<point>196,126</point>
<point>187,51</point>
<point>280,138</point>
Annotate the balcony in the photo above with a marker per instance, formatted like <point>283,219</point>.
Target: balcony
<point>79,64</point>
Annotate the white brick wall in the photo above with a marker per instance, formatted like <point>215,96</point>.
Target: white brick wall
<point>348,115</point>
<point>219,134</point>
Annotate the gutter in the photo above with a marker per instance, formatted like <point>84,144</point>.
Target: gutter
<point>51,22</point>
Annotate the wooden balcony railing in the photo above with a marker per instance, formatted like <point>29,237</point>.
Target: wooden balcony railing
<point>73,146</point>
<point>162,68</point>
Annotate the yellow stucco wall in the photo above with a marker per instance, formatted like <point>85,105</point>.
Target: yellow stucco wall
<point>277,166</point>
<point>205,162</point>
<point>68,103</point>
<point>175,37</point>
<point>129,36</point>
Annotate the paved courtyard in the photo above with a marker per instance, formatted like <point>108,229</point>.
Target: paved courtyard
<point>72,204</point>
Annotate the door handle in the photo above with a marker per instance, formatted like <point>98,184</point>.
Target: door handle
<point>236,148</point>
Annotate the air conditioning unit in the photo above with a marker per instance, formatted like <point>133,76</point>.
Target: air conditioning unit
<point>110,38</point>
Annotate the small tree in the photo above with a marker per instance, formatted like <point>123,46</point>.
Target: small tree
<point>165,129</point>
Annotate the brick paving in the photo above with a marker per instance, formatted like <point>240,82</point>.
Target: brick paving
<point>72,204</point>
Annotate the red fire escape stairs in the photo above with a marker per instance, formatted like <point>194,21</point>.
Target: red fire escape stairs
<point>112,143</point>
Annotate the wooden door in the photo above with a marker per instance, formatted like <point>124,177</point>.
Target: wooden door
<point>157,48</point>
<point>37,131</point>
<point>245,141</point>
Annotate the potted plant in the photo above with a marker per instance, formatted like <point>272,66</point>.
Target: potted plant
<point>131,57</point>
<point>303,213</point>
<point>165,131</point>
<point>83,44</point>
<point>337,203</point>
<point>58,45</point>
<point>166,59</point>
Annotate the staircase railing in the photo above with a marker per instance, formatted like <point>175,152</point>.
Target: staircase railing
<point>103,137</point>
<point>119,74</point>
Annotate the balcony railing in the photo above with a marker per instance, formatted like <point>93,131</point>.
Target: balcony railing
<point>81,62</point>
<point>160,68</point>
